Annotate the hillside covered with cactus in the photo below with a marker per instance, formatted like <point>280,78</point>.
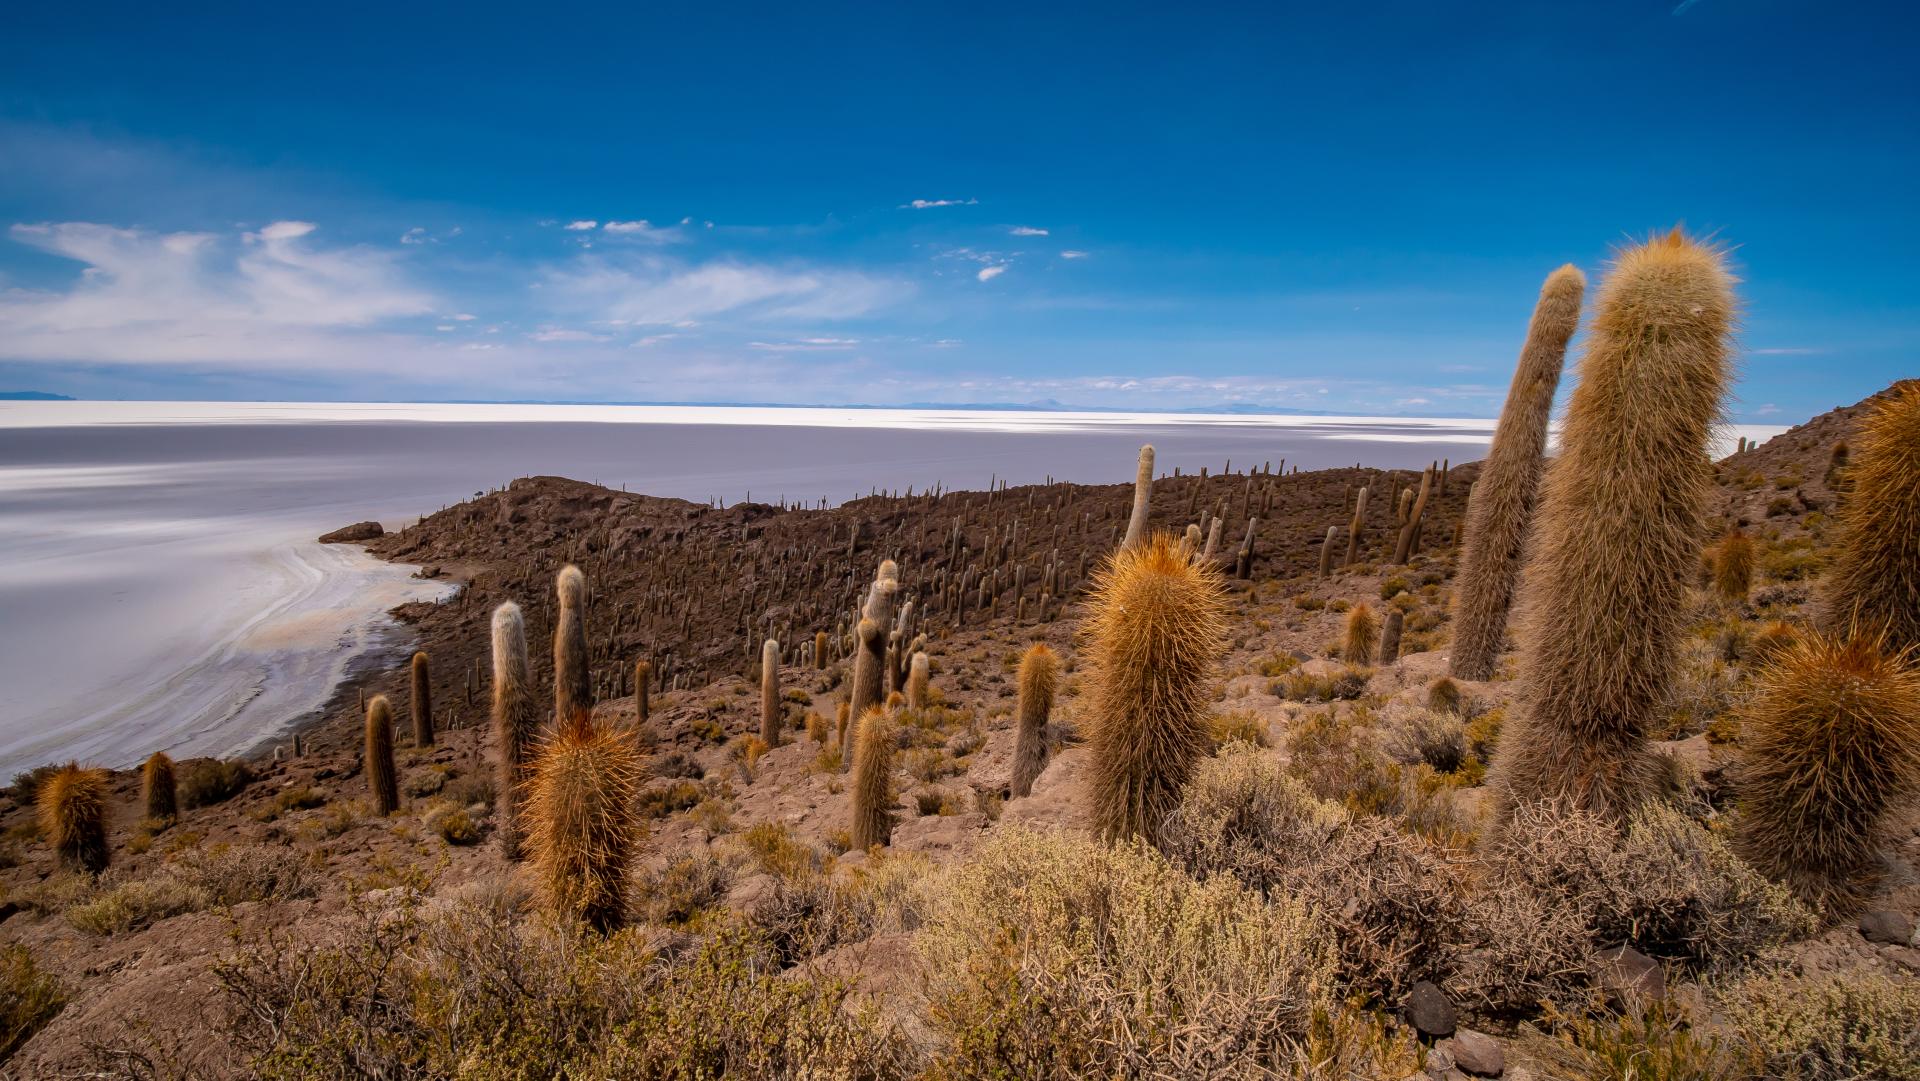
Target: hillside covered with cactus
<point>1603,763</point>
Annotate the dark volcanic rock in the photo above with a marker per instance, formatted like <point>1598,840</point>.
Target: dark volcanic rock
<point>1887,926</point>
<point>354,534</point>
<point>1429,1011</point>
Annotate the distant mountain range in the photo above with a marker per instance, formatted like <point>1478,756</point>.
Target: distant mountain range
<point>33,396</point>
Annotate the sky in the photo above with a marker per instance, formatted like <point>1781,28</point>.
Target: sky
<point>1334,207</point>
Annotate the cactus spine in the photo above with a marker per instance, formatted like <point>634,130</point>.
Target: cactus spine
<point>770,693</point>
<point>73,817</point>
<point>582,825</point>
<point>1156,629</point>
<point>1500,505</point>
<point>919,672</point>
<point>515,723</point>
<point>1142,499</point>
<point>1036,679</point>
<point>872,780</point>
<point>1603,603</point>
<point>1874,586</point>
<point>421,700</point>
<point>159,791</point>
<point>382,781</point>
<point>1831,753</point>
<point>572,688</point>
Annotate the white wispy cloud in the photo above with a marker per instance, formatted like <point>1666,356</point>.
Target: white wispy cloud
<point>1788,351</point>
<point>1026,230</point>
<point>988,273</point>
<point>142,296</point>
<point>658,291</point>
<point>641,229</point>
<point>806,345</point>
<point>1072,253</point>
<point>928,204</point>
<point>581,226</point>
<point>566,334</point>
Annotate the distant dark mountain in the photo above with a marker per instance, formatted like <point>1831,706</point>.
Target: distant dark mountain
<point>34,396</point>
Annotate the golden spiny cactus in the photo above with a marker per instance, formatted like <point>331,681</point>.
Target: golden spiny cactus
<point>421,700</point>
<point>382,781</point>
<point>583,827</point>
<point>1874,584</point>
<point>1830,751</point>
<point>1038,669</point>
<point>872,780</point>
<point>73,817</point>
<point>919,674</point>
<point>516,723</point>
<point>159,790</point>
<point>572,684</point>
<point>1155,631</point>
<point>868,658</point>
<point>1733,565</point>
<point>1500,510</point>
<point>1603,602</point>
<point>1363,631</point>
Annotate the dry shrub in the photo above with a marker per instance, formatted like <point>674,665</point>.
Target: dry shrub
<point>206,781</point>
<point>29,998</point>
<point>1418,735</point>
<point>135,903</point>
<point>232,874</point>
<point>1238,725</point>
<point>683,891</point>
<point>1051,958</point>
<point>470,990</point>
<point>1659,1044</point>
<point>1843,1026</point>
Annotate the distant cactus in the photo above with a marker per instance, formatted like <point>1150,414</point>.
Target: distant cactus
<point>1873,587</point>
<point>1390,636</point>
<point>583,828</point>
<point>1363,632</point>
<point>919,672</point>
<point>1733,566</point>
<point>1036,679</point>
<point>421,700</point>
<point>382,781</point>
<point>159,790</point>
<point>516,723</point>
<point>770,693</point>
<point>1603,604</point>
<point>572,684</point>
<point>1773,639</point>
<point>73,817</point>
<point>820,649</point>
<point>1156,630</point>
<point>1830,753</point>
<point>872,780</point>
<point>1500,508</point>
<point>1355,527</point>
<point>1142,499</point>
<point>642,691</point>
<point>1326,551</point>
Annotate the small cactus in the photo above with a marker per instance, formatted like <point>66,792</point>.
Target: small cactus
<point>642,690</point>
<point>770,693</point>
<point>421,700</point>
<point>1831,753</point>
<point>1363,632</point>
<point>159,790</point>
<point>872,780</point>
<point>1733,566</point>
<point>572,686</point>
<point>1156,630</point>
<point>919,672</point>
<point>1390,636</point>
<point>1038,668</point>
<point>1443,696</point>
<point>382,781</point>
<point>73,817</point>
<point>516,723</point>
<point>583,828</point>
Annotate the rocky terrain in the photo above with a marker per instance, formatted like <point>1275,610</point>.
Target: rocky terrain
<point>285,850</point>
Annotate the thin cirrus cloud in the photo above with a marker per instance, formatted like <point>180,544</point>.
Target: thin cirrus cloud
<point>929,204</point>
<point>988,273</point>
<point>152,297</point>
<point>663,292</point>
<point>1026,230</point>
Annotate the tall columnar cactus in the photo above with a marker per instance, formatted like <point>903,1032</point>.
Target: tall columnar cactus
<point>1500,506</point>
<point>1407,542</point>
<point>572,685</point>
<point>1733,566</point>
<point>770,693</point>
<point>159,789</point>
<point>872,780</point>
<point>516,724</point>
<point>1363,632</point>
<point>583,826</point>
<point>1142,499</point>
<point>869,657</point>
<point>1830,753</point>
<point>1326,551</point>
<point>1037,674</point>
<point>421,700</point>
<point>820,649</point>
<point>382,780</point>
<point>642,691</point>
<point>1156,630</point>
<point>1390,636</point>
<point>919,673</point>
<point>1603,603</point>
<point>1874,584</point>
<point>1354,528</point>
<point>73,817</point>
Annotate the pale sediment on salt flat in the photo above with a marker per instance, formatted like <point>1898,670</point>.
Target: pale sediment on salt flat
<point>160,588</point>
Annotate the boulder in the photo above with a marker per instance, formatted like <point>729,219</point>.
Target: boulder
<point>1429,1011</point>
<point>1885,926</point>
<point>354,534</point>
<point>1630,976</point>
<point>1476,1053</point>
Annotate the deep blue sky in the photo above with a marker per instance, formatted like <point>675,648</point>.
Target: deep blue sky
<point>1343,207</point>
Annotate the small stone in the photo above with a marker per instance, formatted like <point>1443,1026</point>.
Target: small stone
<point>1630,975</point>
<point>1439,1061</point>
<point>752,893</point>
<point>1430,1012</point>
<point>1888,927</point>
<point>1476,1053</point>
